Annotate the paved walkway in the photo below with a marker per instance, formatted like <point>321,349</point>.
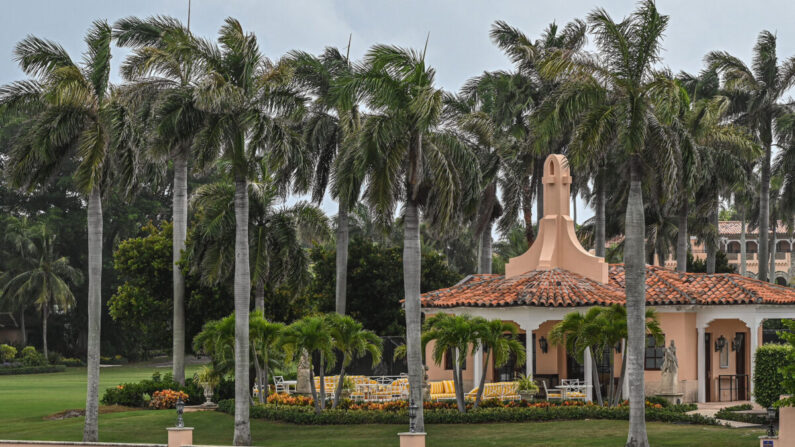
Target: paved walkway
<point>709,409</point>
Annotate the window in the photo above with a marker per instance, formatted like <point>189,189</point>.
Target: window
<point>449,358</point>
<point>733,247</point>
<point>654,353</point>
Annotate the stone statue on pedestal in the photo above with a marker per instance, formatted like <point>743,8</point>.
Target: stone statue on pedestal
<point>669,385</point>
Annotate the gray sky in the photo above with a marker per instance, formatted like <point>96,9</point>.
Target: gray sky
<point>459,43</point>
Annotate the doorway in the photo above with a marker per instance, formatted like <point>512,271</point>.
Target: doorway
<point>739,341</point>
<point>708,367</point>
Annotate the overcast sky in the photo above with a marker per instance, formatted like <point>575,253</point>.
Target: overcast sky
<point>459,43</point>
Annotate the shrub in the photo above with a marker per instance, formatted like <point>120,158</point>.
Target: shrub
<point>767,377</point>
<point>730,414</point>
<point>139,394</point>
<point>67,361</point>
<point>31,370</point>
<point>31,357</point>
<point>306,415</point>
<point>166,399</point>
<point>7,353</point>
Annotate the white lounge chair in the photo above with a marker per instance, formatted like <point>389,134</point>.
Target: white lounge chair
<point>552,394</point>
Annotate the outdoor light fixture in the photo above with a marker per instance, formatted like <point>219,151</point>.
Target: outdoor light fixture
<point>542,343</point>
<point>412,415</point>
<point>180,410</point>
<point>720,343</point>
<point>771,416</point>
<point>618,347</point>
<point>736,342</point>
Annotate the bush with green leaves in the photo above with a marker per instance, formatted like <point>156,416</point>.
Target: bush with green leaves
<point>137,394</point>
<point>31,357</point>
<point>7,353</point>
<point>768,379</point>
<point>15,370</point>
<point>731,414</point>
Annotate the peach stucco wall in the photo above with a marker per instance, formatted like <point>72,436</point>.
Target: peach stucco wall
<point>728,329</point>
<point>681,328</point>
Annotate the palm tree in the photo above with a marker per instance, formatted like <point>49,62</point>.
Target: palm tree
<point>756,93</point>
<point>246,100</point>
<point>353,342</point>
<point>499,339</point>
<point>452,335</point>
<point>329,131</point>
<point>217,340</point>
<point>69,112</point>
<point>633,122</point>
<point>163,73</point>
<point>313,335</point>
<point>265,348</point>
<point>405,159</point>
<point>40,275</point>
<point>580,333</point>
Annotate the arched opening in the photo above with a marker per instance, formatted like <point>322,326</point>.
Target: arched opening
<point>733,247</point>
<point>783,247</point>
<point>551,167</point>
<point>780,280</point>
<point>750,247</point>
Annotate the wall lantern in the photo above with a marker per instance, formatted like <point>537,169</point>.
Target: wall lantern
<point>737,342</point>
<point>618,347</point>
<point>542,343</point>
<point>720,343</point>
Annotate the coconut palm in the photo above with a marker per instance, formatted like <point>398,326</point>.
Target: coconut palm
<point>69,112</point>
<point>329,131</point>
<point>247,104</point>
<point>406,159</point>
<point>40,275</point>
<point>633,121</point>
<point>498,340</point>
<point>756,93</point>
<point>352,341</point>
<point>313,335</point>
<point>452,335</point>
<point>162,72</point>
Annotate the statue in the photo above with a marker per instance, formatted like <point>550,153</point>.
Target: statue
<point>670,371</point>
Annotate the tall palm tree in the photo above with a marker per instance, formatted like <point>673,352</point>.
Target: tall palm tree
<point>40,275</point>
<point>352,341</point>
<point>498,340</point>
<point>405,159</point>
<point>69,112</point>
<point>163,72</point>
<point>633,122</point>
<point>246,100</point>
<point>756,93</point>
<point>330,128</point>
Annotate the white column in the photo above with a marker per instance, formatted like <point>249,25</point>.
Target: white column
<point>588,374</point>
<point>702,373</point>
<point>754,343</point>
<point>528,368</point>
<point>477,368</point>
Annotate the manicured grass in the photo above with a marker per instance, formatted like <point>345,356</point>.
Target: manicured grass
<point>24,400</point>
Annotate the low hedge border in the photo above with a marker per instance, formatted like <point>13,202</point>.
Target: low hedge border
<point>32,370</point>
<point>307,415</point>
<point>729,414</point>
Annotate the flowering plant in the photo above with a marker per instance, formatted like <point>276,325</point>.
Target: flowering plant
<point>166,399</point>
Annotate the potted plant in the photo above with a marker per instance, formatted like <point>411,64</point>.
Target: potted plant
<point>526,387</point>
<point>208,379</point>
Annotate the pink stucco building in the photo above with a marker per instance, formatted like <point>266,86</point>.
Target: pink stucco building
<point>715,320</point>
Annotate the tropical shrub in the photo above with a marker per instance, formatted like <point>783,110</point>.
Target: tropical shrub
<point>141,394</point>
<point>31,357</point>
<point>164,399</point>
<point>768,379</point>
<point>7,353</point>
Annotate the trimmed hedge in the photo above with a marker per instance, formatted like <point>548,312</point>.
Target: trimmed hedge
<point>307,415</point>
<point>729,414</point>
<point>768,380</point>
<point>32,370</point>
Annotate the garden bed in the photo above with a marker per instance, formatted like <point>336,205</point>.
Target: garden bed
<point>14,370</point>
<point>444,413</point>
<point>738,413</point>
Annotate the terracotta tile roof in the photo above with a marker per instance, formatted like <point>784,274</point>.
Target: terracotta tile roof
<point>733,227</point>
<point>549,288</point>
<point>561,288</point>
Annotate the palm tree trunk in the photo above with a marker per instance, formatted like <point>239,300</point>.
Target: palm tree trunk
<point>743,254</point>
<point>764,210</point>
<point>773,252</point>
<point>45,313</point>
<point>611,383</point>
<point>537,177</point>
<point>411,285</point>
<point>91,427</point>
<point>621,377</point>
<point>322,382</point>
<point>266,372</point>
<point>682,239</point>
<point>242,289</point>
<point>259,297</point>
<point>712,246</point>
<point>180,229</point>
<point>597,386</point>
<point>599,236</point>
<point>258,372</point>
<point>459,393</point>
<point>338,390</point>
<point>484,264</point>
<point>527,211</point>
<point>342,258</point>
<point>634,260</point>
<point>312,388</point>
<point>482,383</point>
<point>22,327</point>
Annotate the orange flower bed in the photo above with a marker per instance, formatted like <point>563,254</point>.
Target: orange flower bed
<point>166,399</point>
<point>286,399</point>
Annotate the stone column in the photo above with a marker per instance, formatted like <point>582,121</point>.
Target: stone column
<point>587,364</point>
<point>528,343</point>
<point>754,326</point>
<point>702,373</point>
<point>477,368</point>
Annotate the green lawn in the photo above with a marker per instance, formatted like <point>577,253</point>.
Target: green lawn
<point>25,400</point>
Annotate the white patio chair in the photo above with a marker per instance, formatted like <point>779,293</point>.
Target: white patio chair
<point>552,394</point>
<point>281,387</point>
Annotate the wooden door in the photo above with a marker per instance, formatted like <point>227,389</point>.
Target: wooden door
<point>708,366</point>
<point>740,362</point>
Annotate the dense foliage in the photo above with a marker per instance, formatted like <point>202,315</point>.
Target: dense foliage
<point>768,378</point>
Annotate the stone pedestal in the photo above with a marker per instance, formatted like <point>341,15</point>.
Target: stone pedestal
<point>180,436</point>
<point>410,439</point>
<point>786,427</point>
<point>768,441</point>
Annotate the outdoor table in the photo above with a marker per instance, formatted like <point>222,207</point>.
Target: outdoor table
<point>565,389</point>
<point>291,386</point>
